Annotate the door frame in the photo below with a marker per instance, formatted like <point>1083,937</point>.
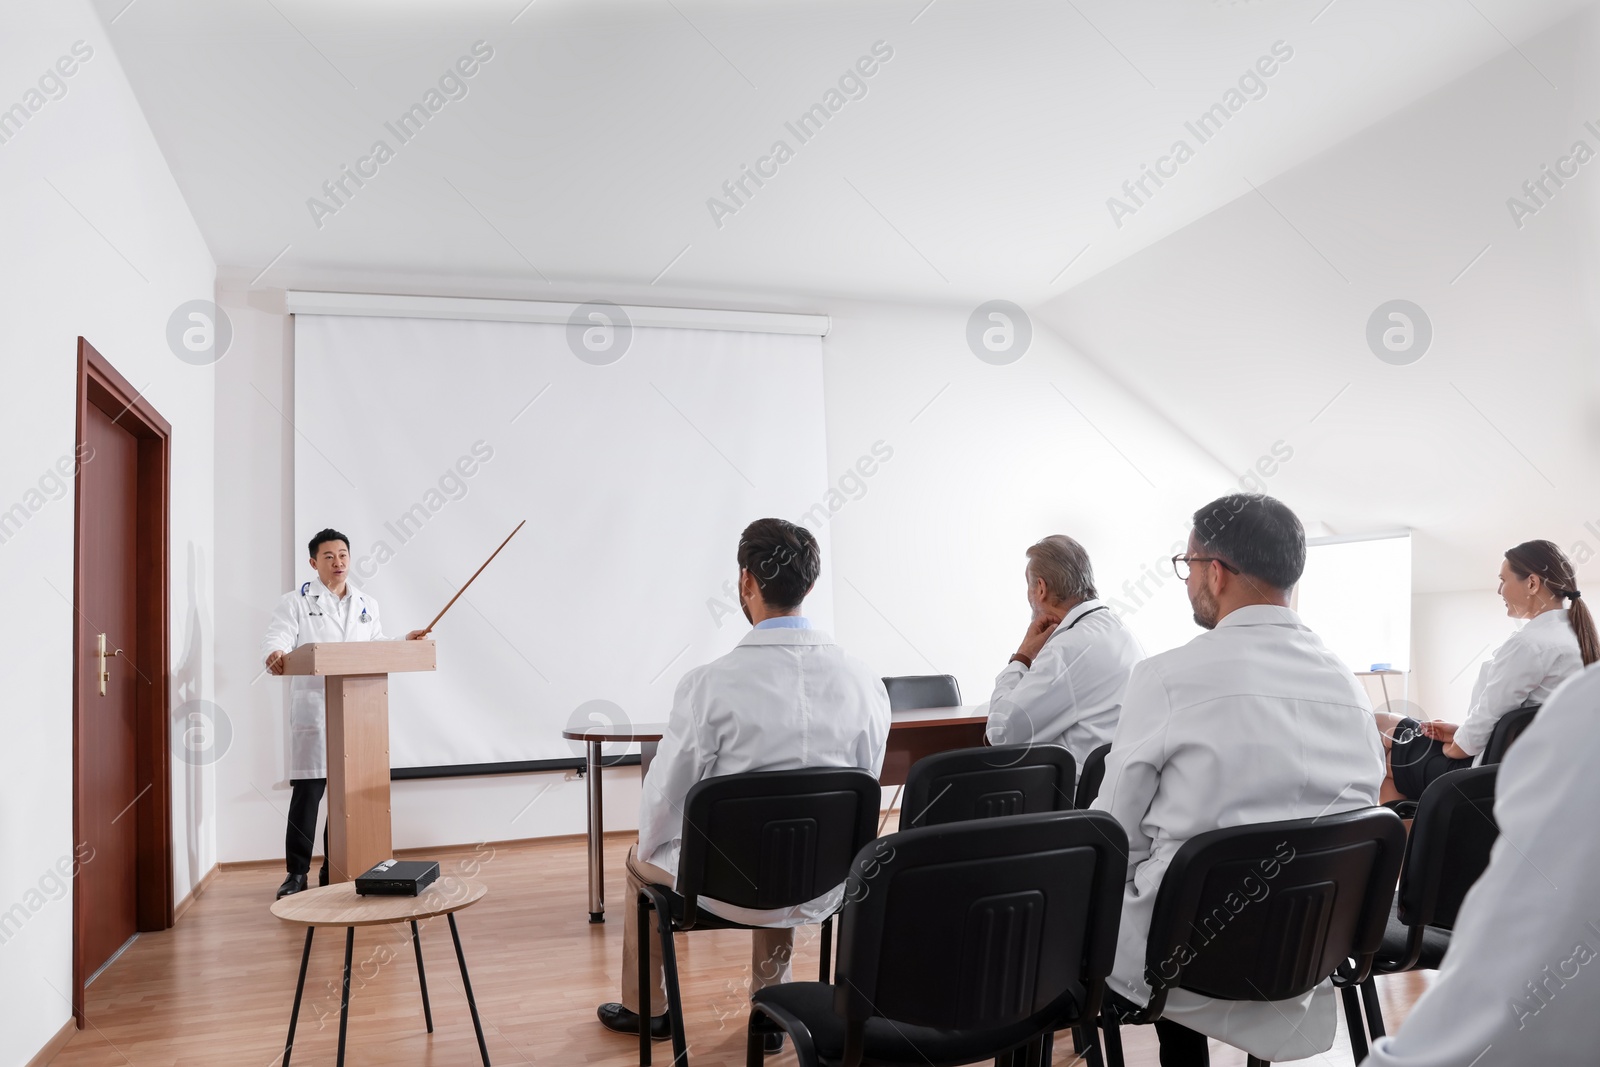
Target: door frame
<point>99,384</point>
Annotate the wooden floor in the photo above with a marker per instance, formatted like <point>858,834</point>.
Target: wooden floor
<point>217,988</point>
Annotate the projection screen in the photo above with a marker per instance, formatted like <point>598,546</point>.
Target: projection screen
<point>428,440</point>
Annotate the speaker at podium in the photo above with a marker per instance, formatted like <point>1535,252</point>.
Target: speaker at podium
<point>356,683</point>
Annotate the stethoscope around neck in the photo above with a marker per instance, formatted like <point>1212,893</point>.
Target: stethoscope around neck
<point>305,590</point>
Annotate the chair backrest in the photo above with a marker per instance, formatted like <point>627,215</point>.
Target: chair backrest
<point>774,839</point>
<point>986,783</point>
<point>981,925</point>
<point>923,691</point>
<point>1507,730</point>
<point>1451,838</point>
<point>1267,911</point>
<point>1093,773</point>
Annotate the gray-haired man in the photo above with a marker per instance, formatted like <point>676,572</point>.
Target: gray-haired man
<point>1065,683</point>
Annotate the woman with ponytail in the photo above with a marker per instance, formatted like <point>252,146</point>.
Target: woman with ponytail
<point>1536,583</point>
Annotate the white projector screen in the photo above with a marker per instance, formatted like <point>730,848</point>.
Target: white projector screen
<point>428,440</point>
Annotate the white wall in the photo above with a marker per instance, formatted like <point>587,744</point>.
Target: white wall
<point>1452,635</point>
<point>928,549</point>
<point>1249,325</point>
<point>987,460</point>
<point>98,243</point>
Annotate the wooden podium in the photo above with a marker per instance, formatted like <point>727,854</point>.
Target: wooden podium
<point>356,686</point>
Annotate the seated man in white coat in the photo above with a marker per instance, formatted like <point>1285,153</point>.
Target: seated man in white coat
<point>1521,982</point>
<point>1252,721</point>
<point>785,698</point>
<point>1064,684</point>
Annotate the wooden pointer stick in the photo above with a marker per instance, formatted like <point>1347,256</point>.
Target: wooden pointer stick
<point>429,629</point>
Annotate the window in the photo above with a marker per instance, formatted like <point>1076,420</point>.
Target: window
<point>1356,595</point>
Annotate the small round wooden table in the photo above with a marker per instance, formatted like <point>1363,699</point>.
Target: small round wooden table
<point>340,905</point>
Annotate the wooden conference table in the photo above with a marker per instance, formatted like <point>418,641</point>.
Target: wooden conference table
<point>913,733</point>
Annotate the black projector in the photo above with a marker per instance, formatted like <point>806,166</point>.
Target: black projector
<point>398,878</point>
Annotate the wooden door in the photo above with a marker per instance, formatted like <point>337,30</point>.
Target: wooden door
<point>108,782</point>
<point>121,740</point>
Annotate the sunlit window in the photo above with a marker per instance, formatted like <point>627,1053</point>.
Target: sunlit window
<point>1356,595</point>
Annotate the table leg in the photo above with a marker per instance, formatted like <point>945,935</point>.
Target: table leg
<point>422,978</point>
<point>597,868</point>
<point>299,988</point>
<point>344,992</point>
<point>466,983</point>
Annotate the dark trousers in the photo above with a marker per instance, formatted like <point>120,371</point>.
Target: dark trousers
<point>1181,1046</point>
<point>305,798</point>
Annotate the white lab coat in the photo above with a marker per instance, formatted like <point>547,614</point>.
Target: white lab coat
<point>1525,670</point>
<point>1520,984</point>
<point>783,699</point>
<point>1072,695</point>
<point>311,614</point>
<point>1251,722</point>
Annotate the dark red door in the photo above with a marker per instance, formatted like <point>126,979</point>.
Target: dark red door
<point>108,724</point>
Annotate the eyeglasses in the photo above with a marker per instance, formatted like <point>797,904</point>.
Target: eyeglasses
<point>1180,565</point>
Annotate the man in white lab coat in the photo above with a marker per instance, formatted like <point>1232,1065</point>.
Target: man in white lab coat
<point>1252,721</point>
<point>1521,982</point>
<point>785,698</point>
<point>327,608</point>
<point>1064,684</point>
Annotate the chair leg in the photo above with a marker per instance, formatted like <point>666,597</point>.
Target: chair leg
<point>669,964</point>
<point>827,949</point>
<point>1086,1044</point>
<point>754,1054</point>
<point>643,926</point>
<point>1369,997</point>
<point>1352,1022</point>
<point>1113,1041</point>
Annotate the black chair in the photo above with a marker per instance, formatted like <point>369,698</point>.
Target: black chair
<point>1451,838</point>
<point>1237,919</point>
<point>961,943</point>
<point>985,783</point>
<point>763,841</point>
<point>923,691</point>
<point>1094,772</point>
<point>1507,730</point>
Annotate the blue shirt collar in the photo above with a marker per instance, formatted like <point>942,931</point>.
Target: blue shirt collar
<point>785,622</point>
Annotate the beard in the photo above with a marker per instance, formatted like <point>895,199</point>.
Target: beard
<point>1205,610</point>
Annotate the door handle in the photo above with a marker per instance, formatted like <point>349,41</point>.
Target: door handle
<point>105,672</point>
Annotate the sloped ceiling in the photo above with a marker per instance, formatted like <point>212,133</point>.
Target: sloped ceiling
<point>976,161</point>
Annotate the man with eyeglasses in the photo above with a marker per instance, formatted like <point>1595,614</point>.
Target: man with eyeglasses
<point>1252,721</point>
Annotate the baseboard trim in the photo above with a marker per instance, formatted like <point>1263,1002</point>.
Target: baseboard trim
<point>425,851</point>
<point>194,894</point>
<point>53,1047</point>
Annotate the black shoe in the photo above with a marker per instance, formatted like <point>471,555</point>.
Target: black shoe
<point>322,875</point>
<point>295,883</point>
<point>771,1043</point>
<point>615,1017</point>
